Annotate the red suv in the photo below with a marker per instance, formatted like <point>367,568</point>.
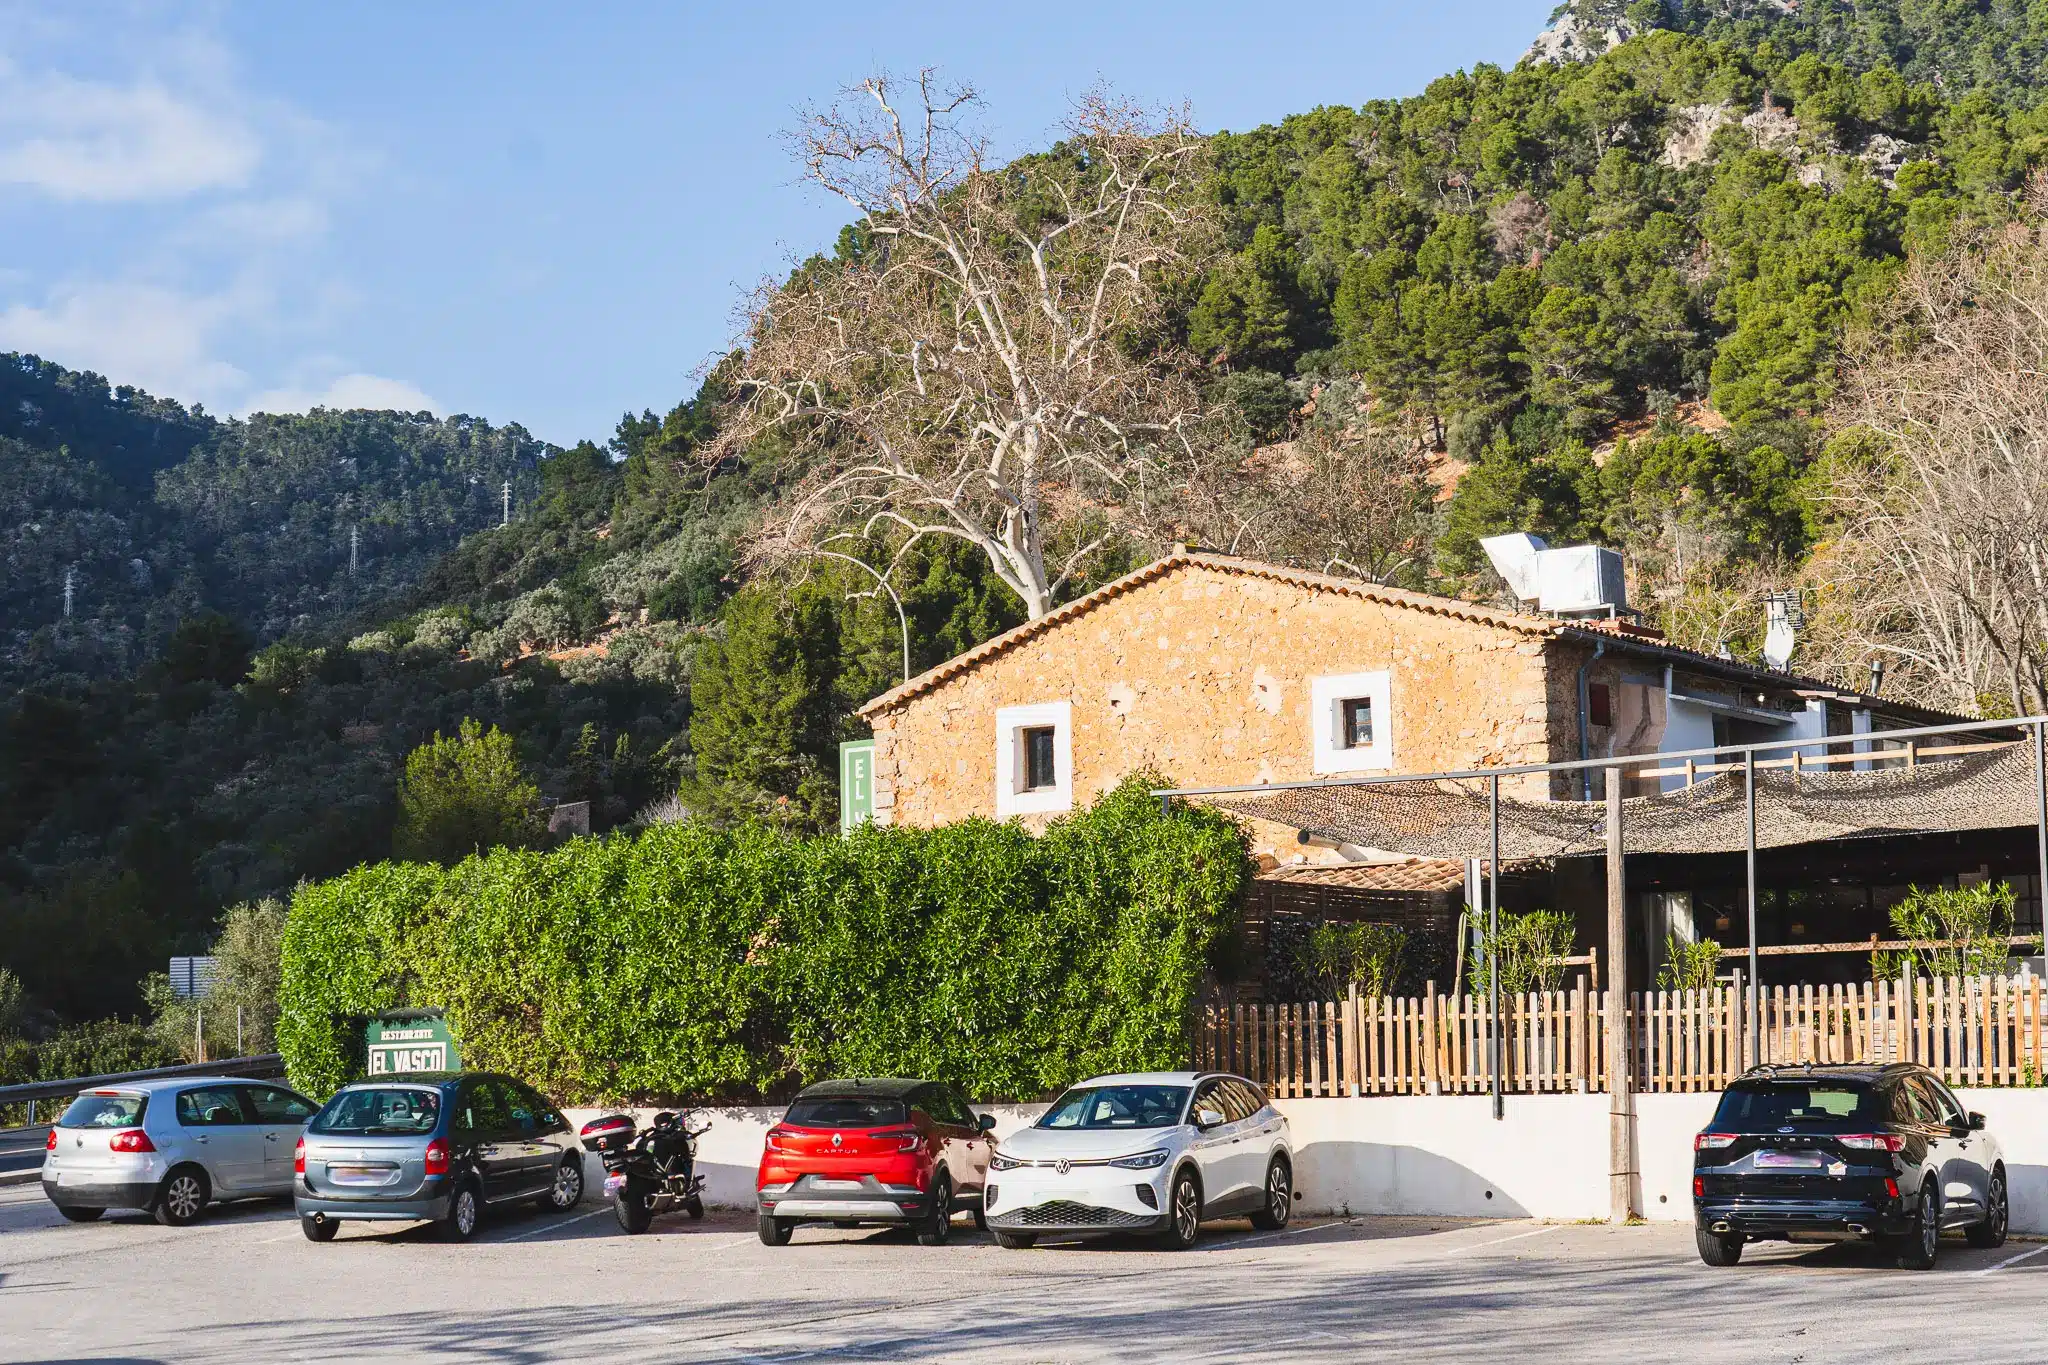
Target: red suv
<point>908,1153</point>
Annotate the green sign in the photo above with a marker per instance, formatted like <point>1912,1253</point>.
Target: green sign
<point>856,783</point>
<point>402,1041</point>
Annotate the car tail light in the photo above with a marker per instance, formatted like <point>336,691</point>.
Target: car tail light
<point>50,1144</point>
<point>1873,1142</point>
<point>775,1140</point>
<point>299,1158</point>
<point>1707,1141</point>
<point>131,1140</point>
<point>1891,1187</point>
<point>1699,1188</point>
<point>437,1157</point>
<point>909,1140</point>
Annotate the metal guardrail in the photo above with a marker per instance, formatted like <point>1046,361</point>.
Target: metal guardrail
<point>267,1065</point>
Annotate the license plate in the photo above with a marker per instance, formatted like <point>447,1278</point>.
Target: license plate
<point>360,1175</point>
<point>614,1183</point>
<point>836,1185</point>
<point>1788,1160</point>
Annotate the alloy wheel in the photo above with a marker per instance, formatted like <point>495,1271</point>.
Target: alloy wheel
<point>1278,1197</point>
<point>1930,1227</point>
<point>465,1212</point>
<point>1187,1210</point>
<point>568,1185</point>
<point>182,1196</point>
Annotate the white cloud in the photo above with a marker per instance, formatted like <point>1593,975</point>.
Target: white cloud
<point>88,140</point>
<point>154,337</point>
<point>358,390</point>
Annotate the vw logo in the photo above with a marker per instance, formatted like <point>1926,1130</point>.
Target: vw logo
<point>838,1141</point>
<point>1062,1166</point>
<point>1784,1130</point>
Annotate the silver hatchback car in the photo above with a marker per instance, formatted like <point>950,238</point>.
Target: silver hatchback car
<point>173,1146</point>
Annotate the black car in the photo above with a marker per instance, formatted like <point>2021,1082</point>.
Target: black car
<point>1834,1153</point>
<point>433,1147</point>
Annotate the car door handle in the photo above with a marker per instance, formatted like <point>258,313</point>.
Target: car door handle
<point>200,1138</point>
<point>270,1137</point>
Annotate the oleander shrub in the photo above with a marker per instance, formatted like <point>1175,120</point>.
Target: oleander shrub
<point>688,961</point>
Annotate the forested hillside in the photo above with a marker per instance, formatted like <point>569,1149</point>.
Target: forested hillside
<point>1607,298</point>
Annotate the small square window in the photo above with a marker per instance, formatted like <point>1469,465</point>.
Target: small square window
<point>1040,770</point>
<point>1599,705</point>
<point>1356,713</point>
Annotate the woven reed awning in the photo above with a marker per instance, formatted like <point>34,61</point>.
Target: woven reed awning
<point>1448,819</point>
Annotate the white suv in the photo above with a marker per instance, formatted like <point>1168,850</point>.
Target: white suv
<point>1154,1152</point>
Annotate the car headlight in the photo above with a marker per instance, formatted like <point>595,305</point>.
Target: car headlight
<point>998,1162</point>
<point>1143,1161</point>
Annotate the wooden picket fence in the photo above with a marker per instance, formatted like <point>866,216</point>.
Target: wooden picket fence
<point>1972,1031</point>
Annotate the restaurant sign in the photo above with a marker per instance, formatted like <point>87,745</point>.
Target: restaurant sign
<point>402,1041</point>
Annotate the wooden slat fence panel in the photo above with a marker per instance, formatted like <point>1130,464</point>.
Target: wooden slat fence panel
<point>1975,1031</point>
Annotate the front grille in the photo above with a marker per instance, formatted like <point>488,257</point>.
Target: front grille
<point>1065,1213</point>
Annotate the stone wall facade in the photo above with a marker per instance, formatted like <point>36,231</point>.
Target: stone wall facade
<point>1203,673</point>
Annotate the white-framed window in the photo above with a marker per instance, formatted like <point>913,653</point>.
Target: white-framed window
<point>1352,716</point>
<point>1034,759</point>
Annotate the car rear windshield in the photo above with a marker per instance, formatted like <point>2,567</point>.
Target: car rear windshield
<point>845,1111</point>
<point>379,1112</point>
<point>1117,1106</point>
<point>1755,1106</point>
<point>105,1110</point>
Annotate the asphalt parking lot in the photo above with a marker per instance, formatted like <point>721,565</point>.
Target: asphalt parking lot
<point>245,1286</point>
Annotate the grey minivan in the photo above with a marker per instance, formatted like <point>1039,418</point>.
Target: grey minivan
<point>434,1147</point>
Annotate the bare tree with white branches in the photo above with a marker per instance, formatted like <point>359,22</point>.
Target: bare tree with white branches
<point>1940,565</point>
<point>986,359</point>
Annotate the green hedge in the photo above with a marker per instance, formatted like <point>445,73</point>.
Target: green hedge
<point>690,962</point>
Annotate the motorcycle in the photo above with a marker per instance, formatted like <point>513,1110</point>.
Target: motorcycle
<point>650,1171</point>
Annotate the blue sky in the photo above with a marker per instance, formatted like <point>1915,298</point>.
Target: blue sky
<point>535,213</point>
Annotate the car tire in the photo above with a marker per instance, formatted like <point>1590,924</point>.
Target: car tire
<point>938,1217</point>
<point>567,1191</point>
<point>181,1200</point>
<point>980,1219</point>
<point>630,1207</point>
<point>1718,1248</point>
<point>774,1231</point>
<point>1279,1206</point>
<point>1916,1250</point>
<point>1183,1212</point>
<point>1016,1241</point>
<point>465,1213</point>
<point>319,1229</point>
<point>1991,1232</point>
<point>78,1215</point>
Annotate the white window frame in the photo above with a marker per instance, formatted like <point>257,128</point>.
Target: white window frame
<point>1011,770</point>
<point>1327,696</point>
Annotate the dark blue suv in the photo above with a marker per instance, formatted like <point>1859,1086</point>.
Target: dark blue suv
<point>1836,1153</point>
<point>433,1147</point>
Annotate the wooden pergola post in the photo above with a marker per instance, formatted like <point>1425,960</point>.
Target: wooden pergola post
<point>1621,1105</point>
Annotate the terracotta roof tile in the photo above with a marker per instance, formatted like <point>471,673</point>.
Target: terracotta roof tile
<point>1416,874</point>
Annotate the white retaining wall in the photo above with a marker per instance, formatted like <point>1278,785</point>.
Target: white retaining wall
<point>1447,1155</point>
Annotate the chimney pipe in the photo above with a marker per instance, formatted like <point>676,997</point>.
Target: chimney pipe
<point>1876,676</point>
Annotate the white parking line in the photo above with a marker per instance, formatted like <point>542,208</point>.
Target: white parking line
<point>1287,1232</point>
<point>551,1227</point>
<point>1476,1246</point>
<point>2014,1260</point>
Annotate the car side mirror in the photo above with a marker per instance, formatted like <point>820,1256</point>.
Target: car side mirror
<point>1208,1118</point>
<point>1976,1122</point>
<point>986,1123</point>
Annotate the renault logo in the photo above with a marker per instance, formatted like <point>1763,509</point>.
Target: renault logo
<point>838,1141</point>
<point>1062,1166</point>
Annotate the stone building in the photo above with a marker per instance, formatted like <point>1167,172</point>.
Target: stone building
<point>1211,670</point>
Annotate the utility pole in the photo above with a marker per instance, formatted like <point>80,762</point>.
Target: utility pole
<point>354,543</point>
<point>70,581</point>
<point>507,518</point>
<point>1621,1105</point>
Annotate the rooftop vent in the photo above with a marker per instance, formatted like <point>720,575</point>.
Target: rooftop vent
<point>1574,580</point>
